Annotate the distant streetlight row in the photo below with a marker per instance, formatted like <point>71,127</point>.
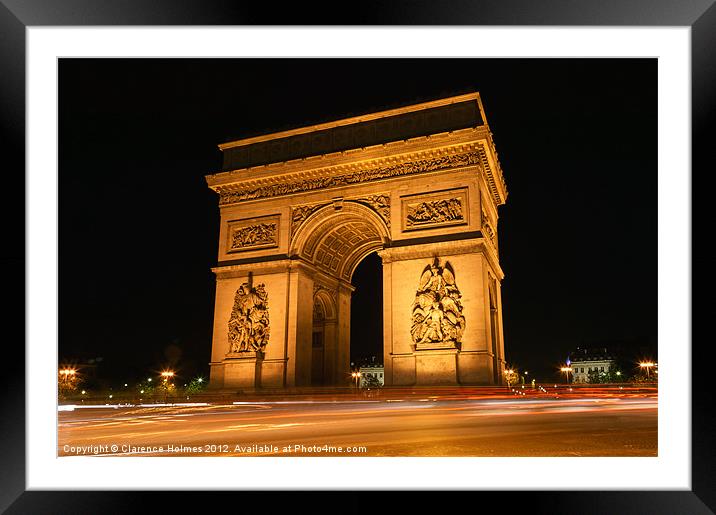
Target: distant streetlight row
<point>644,364</point>
<point>67,373</point>
<point>510,373</point>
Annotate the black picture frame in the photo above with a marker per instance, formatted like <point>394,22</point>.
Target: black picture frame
<point>17,15</point>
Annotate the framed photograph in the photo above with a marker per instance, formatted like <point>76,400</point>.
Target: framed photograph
<point>243,239</point>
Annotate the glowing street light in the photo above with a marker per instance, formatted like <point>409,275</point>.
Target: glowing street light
<point>166,375</point>
<point>67,381</point>
<point>356,378</point>
<point>566,371</point>
<point>647,365</point>
<point>509,375</point>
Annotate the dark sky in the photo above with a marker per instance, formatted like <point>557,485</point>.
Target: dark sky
<point>139,227</point>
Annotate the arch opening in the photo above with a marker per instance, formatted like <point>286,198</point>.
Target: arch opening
<point>366,344</point>
<point>324,321</point>
<point>337,240</point>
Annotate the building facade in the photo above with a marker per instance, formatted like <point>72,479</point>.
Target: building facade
<point>587,361</point>
<point>370,375</point>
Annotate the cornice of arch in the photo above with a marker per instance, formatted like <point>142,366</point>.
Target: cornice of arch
<point>360,166</point>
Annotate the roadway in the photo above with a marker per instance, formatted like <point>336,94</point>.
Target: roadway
<point>586,422</point>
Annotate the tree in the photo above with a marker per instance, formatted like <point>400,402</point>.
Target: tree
<point>196,385</point>
<point>165,388</point>
<point>613,375</point>
<point>145,389</point>
<point>617,376</point>
<point>643,378</point>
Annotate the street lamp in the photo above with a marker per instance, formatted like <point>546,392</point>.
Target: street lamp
<point>67,373</point>
<point>566,371</point>
<point>66,382</point>
<point>647,365</point>
<point>509,374</point>
<point>166,375</point>
<point>356,378</point>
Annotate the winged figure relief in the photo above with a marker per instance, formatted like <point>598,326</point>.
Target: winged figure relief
<point>437,310</point>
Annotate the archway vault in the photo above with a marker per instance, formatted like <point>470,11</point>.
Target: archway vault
<point>337,237</point>
<point>324,306</point>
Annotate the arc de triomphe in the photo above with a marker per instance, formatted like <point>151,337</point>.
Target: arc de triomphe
<point>420,185</point>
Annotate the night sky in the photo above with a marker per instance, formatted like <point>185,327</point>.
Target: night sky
<point>138,226</point>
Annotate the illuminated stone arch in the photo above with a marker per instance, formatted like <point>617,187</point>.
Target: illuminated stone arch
<point>300,209</point>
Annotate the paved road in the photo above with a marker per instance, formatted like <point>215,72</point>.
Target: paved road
<point>580,425</point>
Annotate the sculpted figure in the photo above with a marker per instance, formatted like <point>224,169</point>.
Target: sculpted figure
<point>437,310</point>
<point>432,326</point>
<point>249,322</point>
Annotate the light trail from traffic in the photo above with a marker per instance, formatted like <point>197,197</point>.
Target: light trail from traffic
<point>591,422</point>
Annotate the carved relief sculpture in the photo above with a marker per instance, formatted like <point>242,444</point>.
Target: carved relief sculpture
<point>249,322</point>
<point>434,212</point>
<point>300,213</point>
<point>437,311</point>
<point>319,315</point>
<point>254,236</point>
<point>380,204</point>
<point>487,228</point>
<point>229,196</point>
